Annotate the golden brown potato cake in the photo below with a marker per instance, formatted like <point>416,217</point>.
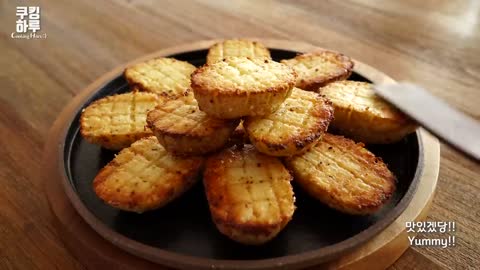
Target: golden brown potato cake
<point>182,128</point>
<point>250,196</point>
<point>363,116</point>
<point>239,86</point>
<point>344,175</point>
<point>167,77</point>
<point>115,122</point>
<point>237,48</point>
<point>296,126</point>
<point>145,177</point>
<point>319,68</point>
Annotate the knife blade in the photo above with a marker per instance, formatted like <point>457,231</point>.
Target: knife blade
<point>450,125</point>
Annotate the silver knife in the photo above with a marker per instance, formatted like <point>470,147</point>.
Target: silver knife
<point>447,123</point>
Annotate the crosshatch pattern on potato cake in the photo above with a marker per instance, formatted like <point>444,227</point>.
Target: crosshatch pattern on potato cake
<point>145,177</point>
<point>249,194</point>
<point>183,128</point>
<point>235,234</point>
<point>320,68</point>
<point>237,48</point>
<point>164,76</point>
<point>237,87</point>
<point>363,116</point>
<point>298,124</point>
<point>344,175</point>
<point>117,121</point>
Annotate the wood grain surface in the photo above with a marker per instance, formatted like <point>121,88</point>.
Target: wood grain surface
<point>434,43</point>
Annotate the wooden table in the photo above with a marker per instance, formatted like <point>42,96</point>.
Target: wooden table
<point>434,43</point>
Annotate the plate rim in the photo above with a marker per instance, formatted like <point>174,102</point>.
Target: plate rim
<point>174,259</point>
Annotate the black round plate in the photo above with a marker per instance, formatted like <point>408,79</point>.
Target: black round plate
<point>185,226</point>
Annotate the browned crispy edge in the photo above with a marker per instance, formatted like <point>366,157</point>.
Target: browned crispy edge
<point>230,124</point>
<point>188,181</point>
<point>214,169</point>
<point>315,83</point>
<point>193,143</point>
<point>400,126</point>
<point>104,140</point>
<point>190,144</point>
<point>376,164</point>
<point>394,116</point>
<point>307,137</point>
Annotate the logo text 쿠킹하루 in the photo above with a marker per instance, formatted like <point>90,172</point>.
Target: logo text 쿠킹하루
<point>28,23</point>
